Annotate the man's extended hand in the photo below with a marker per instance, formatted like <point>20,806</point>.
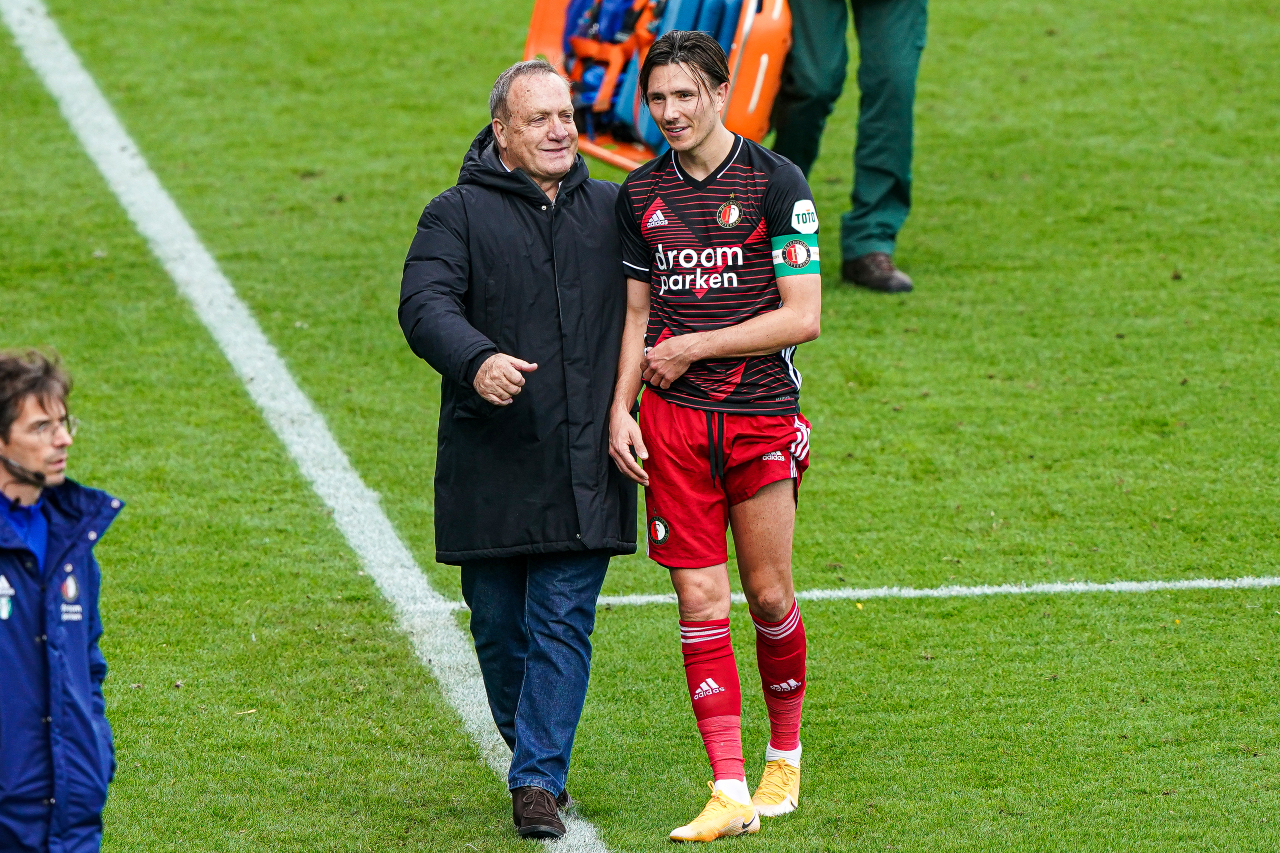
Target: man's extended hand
<point>668,361</point>
<point>624,434</point>
<point>501,377</point>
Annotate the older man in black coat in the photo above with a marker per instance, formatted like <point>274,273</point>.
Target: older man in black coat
<point>512,290</point>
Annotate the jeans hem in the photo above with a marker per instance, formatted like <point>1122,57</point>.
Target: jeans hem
<point>544,784</point>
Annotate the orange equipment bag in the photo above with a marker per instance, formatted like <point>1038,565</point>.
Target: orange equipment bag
<point>600,45</point>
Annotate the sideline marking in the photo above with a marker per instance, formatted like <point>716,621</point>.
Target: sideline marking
<point>849,594</point>
<point>423,613</point>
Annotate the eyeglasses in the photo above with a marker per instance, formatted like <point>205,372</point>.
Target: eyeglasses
<point>49,429</point>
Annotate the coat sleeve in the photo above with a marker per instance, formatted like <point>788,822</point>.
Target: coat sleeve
<point>98,674</point>
<point>433,291</point>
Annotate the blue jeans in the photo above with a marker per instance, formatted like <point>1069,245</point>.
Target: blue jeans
<point>531,619</point>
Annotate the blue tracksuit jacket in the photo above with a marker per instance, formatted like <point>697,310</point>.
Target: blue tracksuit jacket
<point>56,753</point>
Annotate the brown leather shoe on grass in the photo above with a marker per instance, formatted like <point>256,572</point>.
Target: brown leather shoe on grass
<point>875,271</point>
<point>535,814</point>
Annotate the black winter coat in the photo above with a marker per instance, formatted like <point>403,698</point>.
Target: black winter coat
<point>496,267</point>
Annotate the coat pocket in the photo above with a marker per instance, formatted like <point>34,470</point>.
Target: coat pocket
<point>88,772</point>
<point>474,407</point>
<point>106,749</point>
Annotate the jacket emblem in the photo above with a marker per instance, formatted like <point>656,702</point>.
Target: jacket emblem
<point>70,592</point>
<point>70,589</point>
<point>7,592</point>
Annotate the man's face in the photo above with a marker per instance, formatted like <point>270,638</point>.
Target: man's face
<point>38,440</point>
<point>539,135</point>
<point>684,112</point>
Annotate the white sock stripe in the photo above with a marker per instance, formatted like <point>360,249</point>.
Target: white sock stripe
<point>713,629</point>
<point>704,636</point>
<point>777,632</point>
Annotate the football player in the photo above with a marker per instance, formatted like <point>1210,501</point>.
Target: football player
<point>720,250</point>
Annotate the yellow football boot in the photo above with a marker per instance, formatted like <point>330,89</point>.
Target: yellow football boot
<point>723,817</point>
<point>779,790</point>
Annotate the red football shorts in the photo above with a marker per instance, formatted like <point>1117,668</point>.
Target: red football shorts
<point>700,464</point>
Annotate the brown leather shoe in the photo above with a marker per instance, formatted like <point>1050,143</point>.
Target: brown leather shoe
<point>875,271</point>
<point>535,814</point>
<point>564,801</point>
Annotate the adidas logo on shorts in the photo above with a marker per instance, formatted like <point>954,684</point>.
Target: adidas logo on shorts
<point>706,689</point>
<point>775,456</point>
<point>656,220</point>
<point>786,686</point>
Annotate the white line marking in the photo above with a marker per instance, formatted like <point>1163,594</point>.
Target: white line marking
<point>849,594</point>
<point>423,613</point>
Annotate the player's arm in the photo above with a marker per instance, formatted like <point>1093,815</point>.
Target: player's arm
<point>624,432</point>
<point>797,320</point>
<point>625,441</point>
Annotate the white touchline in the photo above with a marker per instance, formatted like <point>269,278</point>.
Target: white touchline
<point>426,615</point>
<point>1056,588</point>
<point>850,594</point>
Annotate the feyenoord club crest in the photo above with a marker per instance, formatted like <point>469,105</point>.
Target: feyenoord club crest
<point>796,254</point>
<point>659,530</point>
<point>729,214</point>
<point>70,590</point>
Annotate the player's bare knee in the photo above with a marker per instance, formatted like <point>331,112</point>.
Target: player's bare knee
<point>700,605</point>
<point>771,604</point>
<point>703,593</point>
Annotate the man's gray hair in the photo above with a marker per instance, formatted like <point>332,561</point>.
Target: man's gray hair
<point>498,107</point>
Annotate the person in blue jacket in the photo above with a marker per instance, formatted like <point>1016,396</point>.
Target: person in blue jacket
<point>56,752</point>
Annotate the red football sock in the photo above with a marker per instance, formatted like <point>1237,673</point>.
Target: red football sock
<point>712,674</point>
<point>780,651</point>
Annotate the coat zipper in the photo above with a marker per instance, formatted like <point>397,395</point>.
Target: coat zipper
<point>564,361</point>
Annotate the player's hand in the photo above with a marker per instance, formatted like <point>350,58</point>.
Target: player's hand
<point>669,360</point>
<point>624,437</point>
<point>501,377</point>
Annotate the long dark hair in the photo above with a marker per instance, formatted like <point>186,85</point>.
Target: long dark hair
<point>694,49</point>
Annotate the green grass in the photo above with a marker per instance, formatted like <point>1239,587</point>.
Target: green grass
<point>991,427</point>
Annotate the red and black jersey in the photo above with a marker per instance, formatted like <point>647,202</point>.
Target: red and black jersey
<point>712,252</point>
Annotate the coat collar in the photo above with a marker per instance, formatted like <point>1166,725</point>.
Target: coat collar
<point>482,166</point>
<point>73,510</point>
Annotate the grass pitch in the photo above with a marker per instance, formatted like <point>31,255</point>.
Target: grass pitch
<point>1081,387</point>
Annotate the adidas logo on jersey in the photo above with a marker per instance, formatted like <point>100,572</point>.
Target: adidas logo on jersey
<point>775,456</point>
<point>656,220</point>
<point>707,688</point>
<point>785,687</point>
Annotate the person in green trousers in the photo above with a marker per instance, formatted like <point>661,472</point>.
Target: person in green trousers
<point>891,35</point>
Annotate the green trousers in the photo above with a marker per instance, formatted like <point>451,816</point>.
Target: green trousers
<point>891,36</point>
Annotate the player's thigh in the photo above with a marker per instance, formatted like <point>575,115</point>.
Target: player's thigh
<point>686,512</point>
<point>763,531</point>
